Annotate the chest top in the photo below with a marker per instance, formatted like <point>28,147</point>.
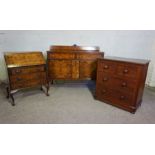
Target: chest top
<point>126,60</point>
<point>20,59</point>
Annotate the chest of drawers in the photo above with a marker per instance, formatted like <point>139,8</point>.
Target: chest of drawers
<point>25,70</point>
<point>72,62</point>
<point>121,82</point>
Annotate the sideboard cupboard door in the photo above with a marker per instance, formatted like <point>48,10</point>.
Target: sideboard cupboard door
<point>60,69</point>
<point>87,69</point>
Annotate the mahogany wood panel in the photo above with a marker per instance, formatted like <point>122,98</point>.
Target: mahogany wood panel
<point>72,62</point>
<point>121,82</point>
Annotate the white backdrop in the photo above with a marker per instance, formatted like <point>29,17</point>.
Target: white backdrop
<point>132,44</point>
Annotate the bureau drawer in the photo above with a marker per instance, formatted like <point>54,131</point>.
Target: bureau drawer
<point>26,70</point>
<point>86,56</point>
<point>26,77</point>
<point>116,83</point>
<point>115,97</point>
<point>130,71</point>
<point>106,66</point>
<point>62,55</point>
<point>30,83</point>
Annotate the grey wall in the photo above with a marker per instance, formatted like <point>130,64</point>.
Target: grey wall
<point>133,44</point>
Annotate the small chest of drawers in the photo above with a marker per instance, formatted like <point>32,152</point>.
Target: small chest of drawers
<point>25,70</point>
<point>121,81</point>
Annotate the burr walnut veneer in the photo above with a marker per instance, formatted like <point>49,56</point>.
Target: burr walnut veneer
<point>120,82</point>
<point>25,69</point>
<point>72,62</point>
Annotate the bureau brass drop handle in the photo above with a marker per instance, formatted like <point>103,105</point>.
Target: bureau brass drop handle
<point>106,67</point>
<point>103,91</point>
<point>124,84</point>
<point>122,97</point>
<point>18,71</point>
<point>105,79</point>
<point>125,71</point>
<point>19,79</point>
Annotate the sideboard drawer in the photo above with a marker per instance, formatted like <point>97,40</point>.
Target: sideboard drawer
<point>61,55</point>
<point>86,56</point>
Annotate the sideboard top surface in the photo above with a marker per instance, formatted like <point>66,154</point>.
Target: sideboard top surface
<point>60,48</point>
<point>19,59</point>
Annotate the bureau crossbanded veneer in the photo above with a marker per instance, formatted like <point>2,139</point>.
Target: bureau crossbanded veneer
<point>120,82</point>
<point>72,62</point>
<point>25,70</point>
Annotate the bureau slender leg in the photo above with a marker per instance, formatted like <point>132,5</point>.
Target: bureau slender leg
<point>52,82</point>
<point>13,101</point>
<point>41,88</point>
<point>7,90</point>
<point>47,87</point>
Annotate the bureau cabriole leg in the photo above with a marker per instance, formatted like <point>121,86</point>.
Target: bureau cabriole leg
<point>13,101</point>
<point>41,88</point>
<point>7,90</point>
<point>47,87</point>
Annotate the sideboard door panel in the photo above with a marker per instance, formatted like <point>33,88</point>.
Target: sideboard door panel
<point>75,69</point>
<point>60,69</point>
<point>87,69</point>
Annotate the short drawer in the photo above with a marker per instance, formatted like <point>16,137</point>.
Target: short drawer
<point>61,55</point>
<point>26,70</point>
<point>106,66</point>
<point>130,71</point>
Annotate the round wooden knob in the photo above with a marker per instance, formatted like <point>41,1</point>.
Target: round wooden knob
<point>124,84</point>
<point>122,97</point>
<point>125,71</point>
<point>106,67</point>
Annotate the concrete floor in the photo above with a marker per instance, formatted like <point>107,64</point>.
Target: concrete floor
<point>71,103</point>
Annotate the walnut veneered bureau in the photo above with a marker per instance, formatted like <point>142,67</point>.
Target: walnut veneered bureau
<point>25,70</point>
<point>72,62</point>
<point>120,82</point>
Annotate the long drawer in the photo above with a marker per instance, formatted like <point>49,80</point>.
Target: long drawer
<point>114,96</point>
<point>118,83</point>
<point>26,70</point>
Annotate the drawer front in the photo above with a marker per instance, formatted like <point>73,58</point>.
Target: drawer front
<point>116,83</point>
<point>88,56</point>
<point>30,83</point>
<point>106,66</point>
<point>26,70</point>
<point>26,80</point>
<point>129,71</point>
<point>62,55</point>
<point>27,77</point>
<point>115,97</point>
